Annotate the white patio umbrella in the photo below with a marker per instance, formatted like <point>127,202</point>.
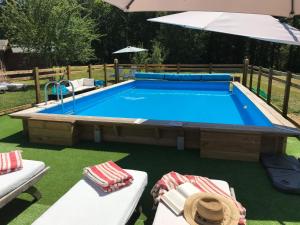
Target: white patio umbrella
<point>283,8</point>
<point>130,49</point>
<point>260,27</point>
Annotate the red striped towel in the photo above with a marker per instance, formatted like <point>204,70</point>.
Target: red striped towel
<point>10,162</point>
<point>173,179</point>
<point>109,176</point>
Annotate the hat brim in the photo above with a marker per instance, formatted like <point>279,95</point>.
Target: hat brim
<point>231,212</point>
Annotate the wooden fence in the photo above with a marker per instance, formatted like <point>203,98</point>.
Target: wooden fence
<point>182,68</point>
<point>247,71</point>
<point>287,79</point>
<point>68,72</point>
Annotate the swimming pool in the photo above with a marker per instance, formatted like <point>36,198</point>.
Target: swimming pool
<point>223,120</point>
<point>175,101</point>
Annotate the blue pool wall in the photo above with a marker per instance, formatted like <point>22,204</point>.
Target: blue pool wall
<point>184,77</point>
<point>249,108</point>
<point>87,101</point>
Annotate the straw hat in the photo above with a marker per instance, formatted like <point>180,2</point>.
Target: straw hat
<point>210,209</point>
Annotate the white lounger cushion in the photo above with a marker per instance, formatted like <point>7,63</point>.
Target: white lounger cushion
<point>86,204</point>
<point>75,85</point>
<point>3,87</point>
<point>10,181</point>
<point>165,216</point>
<point>80,82</point>
<point>88,82</point>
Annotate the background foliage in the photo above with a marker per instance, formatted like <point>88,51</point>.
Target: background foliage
<point>60,31</point>
<point>72,38</point>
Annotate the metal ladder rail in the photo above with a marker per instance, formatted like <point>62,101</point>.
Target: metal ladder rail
<point>46,90</point>
<point>61,94</point>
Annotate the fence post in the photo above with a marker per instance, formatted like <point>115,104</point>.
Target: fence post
<point>269,96</point>
<point>90,71</point>
<point>178,68</point>
<point>251,78</point>
<point>287,94</point>
<point>69,72</point>
<point>117,74</point>
<point>37,85</point>
<point>105,74</point>
<point>258,82</point>
<point>146,67</point>
<point>245,71</point>
<point>210,68</point>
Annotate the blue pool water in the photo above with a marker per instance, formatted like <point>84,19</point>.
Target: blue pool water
<point>207,102</point>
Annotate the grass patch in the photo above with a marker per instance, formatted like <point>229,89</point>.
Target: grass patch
<point>264,204</point>
<point>278,93</point>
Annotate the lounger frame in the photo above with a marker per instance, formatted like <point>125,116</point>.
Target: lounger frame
<point>27,187</point>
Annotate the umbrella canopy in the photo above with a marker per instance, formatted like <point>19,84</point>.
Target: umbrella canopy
<point>130,49</point>
<point>283,8</point>
<point>260,27</point>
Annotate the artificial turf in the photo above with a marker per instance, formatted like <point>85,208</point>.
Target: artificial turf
<point>264,204</point>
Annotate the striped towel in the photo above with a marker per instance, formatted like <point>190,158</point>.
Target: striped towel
<point>10,162</point>
<point>172,180</point>
<point>108,176</point>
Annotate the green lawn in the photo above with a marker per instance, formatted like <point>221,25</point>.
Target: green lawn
<point>278,93</point>
<point>264,204</point>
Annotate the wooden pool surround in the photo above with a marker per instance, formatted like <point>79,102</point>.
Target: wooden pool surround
<point>219,141</point>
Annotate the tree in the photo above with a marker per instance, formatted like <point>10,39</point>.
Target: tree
<point>59,31</point>
<point>158,53</point>
<point>140,57</point>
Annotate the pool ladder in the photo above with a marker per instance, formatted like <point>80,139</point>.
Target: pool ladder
<point>60,95</point>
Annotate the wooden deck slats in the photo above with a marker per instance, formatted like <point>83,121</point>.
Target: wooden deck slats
<point>273,144</point>
<point>49,132</point>
<point>55,133</point>
<point>230,146</point>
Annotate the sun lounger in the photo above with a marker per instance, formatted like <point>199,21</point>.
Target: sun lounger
<point>15,183</point>
<point>16,87</point>
<point>85,203</point>
<point>82,85</point>
<point>165,216</point>
<point>3,88</point>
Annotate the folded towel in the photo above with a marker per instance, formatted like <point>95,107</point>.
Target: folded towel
<point>10,162</point>
<point>108,176</point>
